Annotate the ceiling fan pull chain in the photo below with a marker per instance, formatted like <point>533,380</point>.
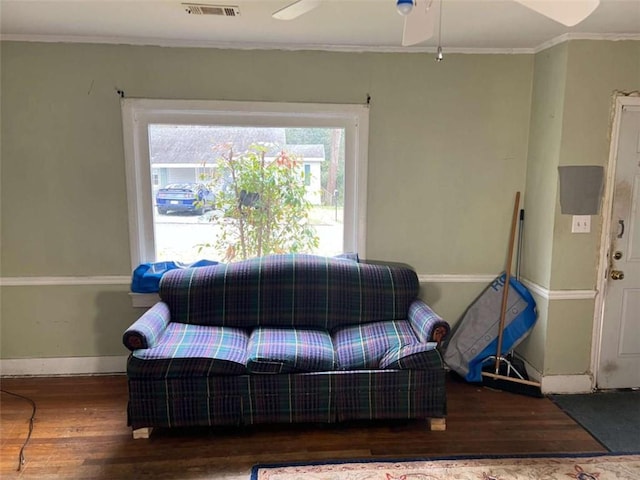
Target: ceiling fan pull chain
<point>439,55</point>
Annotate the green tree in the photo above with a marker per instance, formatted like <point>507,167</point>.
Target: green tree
<point>263,205</point>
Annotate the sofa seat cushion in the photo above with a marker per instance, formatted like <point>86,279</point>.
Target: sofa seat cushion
<point>363,346</point>
<point>289,350</point>
<point>193,350</point>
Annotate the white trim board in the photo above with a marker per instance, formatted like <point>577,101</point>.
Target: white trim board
<point>63,366</point>
<point>163,42</point>
<point>176,43</point>
<point>139,113</point>
<point>64,280</point>
<point>558,294</point>
<point>422,278</point>
<point>566,384</point>
<point>455,278</point>
<point>534,287</point>
<point>549,384</point>
<point>117,365</point>
<point>566,37</point>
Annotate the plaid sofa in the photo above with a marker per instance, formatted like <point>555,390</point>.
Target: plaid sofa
<point>285,338</point>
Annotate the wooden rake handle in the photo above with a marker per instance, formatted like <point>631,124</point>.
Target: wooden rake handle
<point>505,290</point>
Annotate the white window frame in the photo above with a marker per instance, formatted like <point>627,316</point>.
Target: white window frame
<point>138,114</point>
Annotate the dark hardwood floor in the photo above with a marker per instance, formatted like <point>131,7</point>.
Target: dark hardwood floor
<point>80,432</point>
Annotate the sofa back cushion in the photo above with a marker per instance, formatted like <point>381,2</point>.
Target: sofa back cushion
<point>289,290</point>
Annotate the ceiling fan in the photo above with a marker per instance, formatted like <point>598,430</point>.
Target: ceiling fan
<point>420,15</point>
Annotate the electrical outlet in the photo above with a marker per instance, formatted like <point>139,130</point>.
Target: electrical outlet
<point>581,224</point>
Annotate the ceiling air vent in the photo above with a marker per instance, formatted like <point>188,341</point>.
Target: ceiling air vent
<point>220,10</point>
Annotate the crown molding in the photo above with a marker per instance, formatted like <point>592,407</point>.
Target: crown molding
<point>163,42</point>
<point>611,37</point>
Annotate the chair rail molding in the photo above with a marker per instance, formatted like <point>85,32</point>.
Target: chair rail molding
<point>559,294</point>
<point>422,278</point>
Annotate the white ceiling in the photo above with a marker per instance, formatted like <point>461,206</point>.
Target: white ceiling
<point>467,25</point>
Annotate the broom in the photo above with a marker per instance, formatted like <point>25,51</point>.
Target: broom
<point>516,384</point>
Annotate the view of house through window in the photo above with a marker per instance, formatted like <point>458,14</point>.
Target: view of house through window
<point>227,193</point>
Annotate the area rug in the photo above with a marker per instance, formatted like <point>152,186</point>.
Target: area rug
<point>592,467</point>
<point>613,418</point>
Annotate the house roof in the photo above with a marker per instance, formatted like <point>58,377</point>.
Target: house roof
<point>197,144</point>
<point>307,151</point>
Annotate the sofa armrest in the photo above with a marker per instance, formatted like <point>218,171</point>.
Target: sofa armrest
<point>427,324</point>
<point>147,330</point>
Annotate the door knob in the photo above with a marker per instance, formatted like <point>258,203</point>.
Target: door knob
<point>617,274</point>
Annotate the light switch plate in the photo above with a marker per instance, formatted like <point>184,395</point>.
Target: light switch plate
<point>581,224</point>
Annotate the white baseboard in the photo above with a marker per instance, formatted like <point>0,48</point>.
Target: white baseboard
<point>551,384</point>
<point>117,365</point>
<point>532,372</point>
<point>63,366</point>
<point>567,384</point>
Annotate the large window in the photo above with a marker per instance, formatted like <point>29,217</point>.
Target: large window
<point>230,180</point>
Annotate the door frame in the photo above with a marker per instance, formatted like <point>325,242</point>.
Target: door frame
<point>620,100</point>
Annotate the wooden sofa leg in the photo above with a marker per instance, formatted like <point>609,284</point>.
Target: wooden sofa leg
<point>437,424</point>
<point>144,432</point>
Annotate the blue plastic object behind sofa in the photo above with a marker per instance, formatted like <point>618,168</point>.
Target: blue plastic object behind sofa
<point>146,277</point>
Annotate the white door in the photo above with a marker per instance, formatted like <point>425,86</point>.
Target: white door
<point>619,365</point>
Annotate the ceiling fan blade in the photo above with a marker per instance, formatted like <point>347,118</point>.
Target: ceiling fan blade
<point>419,25</point>
<point>567,12</point>
<point>295,9</point>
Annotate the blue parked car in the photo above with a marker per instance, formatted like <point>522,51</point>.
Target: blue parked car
<point>184,197</point>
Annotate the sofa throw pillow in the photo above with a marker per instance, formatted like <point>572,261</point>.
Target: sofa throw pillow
<point>419,356</point>
<point>289,350</point>
<point>362,346</point>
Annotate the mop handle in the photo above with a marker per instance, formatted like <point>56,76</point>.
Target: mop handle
<point>520,238</point>
<point>505,291</point>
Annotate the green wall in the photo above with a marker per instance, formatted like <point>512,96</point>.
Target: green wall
<point>595,70</point>
<point>547,100</point>
<point>447,150</point>
<point>573,93</point>
<point>549,79</point>
<point>534,347</point>
<point>450,144</point>
<point>65,321</point>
